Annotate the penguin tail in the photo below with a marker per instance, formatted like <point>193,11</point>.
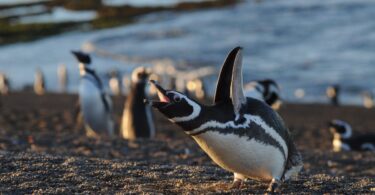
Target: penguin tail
<point>294,163</point>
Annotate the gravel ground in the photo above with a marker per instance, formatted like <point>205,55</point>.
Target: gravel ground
<point>42,150</point>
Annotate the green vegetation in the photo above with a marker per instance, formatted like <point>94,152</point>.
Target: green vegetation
<point>107,17</point>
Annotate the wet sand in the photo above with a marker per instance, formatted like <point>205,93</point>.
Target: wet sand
<point>42,150</point>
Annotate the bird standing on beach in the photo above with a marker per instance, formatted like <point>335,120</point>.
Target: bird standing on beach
<point>242,135</point>
<point>39,83</point>
<point>95,103</point>
<point>114,83</point>
<point>62,74</point>
<point>343,139</point>
<point>333,93</point>
<point>137,121</point>
<point>264,90</point>
<point>4,84</point>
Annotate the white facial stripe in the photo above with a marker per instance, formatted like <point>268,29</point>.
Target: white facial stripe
<point>193,115</point>
<point>348,128</point>
<point>249,118</point>
<point>368,146</point>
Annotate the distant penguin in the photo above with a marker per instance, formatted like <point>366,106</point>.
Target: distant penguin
<point>95,103</point>
<point>368,100</point>
<point>264,90</point>
<point>333,93</point>
<point>152,90</point>
<point>137,121</point>
<point>39,82</point>
<point>125,84</point>
<point>343,140</point>
<point>114,83</point>
<point>63,77</point>
<point>196,88</point>
<point>299,93</point>
<point>4,84</point>
<point>242,135</point>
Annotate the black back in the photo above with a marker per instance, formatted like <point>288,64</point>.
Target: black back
<point>355,142</point>
<point>138,125</point>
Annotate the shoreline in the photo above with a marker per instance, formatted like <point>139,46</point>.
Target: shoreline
<point>108,17</point>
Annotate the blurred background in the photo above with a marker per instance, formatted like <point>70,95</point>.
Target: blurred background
<point>305,46</point>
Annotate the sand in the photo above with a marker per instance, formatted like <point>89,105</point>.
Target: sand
<point>43,150</point>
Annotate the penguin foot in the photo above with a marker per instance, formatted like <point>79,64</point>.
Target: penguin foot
<point>237,184</point>
<point>273,185</point>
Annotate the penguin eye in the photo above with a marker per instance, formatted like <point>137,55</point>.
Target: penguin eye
<point>176,98</point>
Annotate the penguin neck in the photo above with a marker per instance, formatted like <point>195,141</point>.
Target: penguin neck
<point>218,112</point>
<point>138,89</point>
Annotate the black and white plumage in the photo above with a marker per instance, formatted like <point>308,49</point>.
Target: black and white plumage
<point>242,135</point>
<point>39,82</point>
<point>137,121</point>
<point>343,139</point>
<point>333,94</point>
<point>114,83</point>
<point>368,100</point>
<point>265,90</point>
<point>95,103</point>
<point>4,84</point>
<point>62,74</point>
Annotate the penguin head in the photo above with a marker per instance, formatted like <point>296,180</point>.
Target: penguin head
<point>340,128</point>
<point>84,62</point>
<point>82,57</point>
<point>140,75</point>
<point>176,106</point>
<point>271,91</point>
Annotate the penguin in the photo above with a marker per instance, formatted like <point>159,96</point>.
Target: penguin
<point>125,84</point>
<point>265,90</point>
<point>39,82</point>
<point>196,88</point>
<point>333,93</point>
<point>137,121</point>
<point>95,103</point>
<point>368,99</point>
<point>343,139</point>
<point>241,134</point>
<point>114,83</point>
<point>63,77</point>
<point>4,84</point>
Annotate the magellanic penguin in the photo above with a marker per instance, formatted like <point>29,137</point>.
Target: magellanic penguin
<point>137,121</point>
<point>4,84</point>
<point>333,93</point>
<point>114,83</point>
<point>242,135</point>
<point>265,90</point>
<point>343,139</point>
<point>95,103</point>
<point>39,82</point>
<point>62,74</point>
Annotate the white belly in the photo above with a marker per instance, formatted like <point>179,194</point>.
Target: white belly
<point>250,158</point>
<point>93,109</point>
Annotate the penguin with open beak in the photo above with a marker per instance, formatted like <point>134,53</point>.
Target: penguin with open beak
<point>240,134</point>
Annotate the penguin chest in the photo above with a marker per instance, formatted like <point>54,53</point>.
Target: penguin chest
<point>242,155</point>
<point>92,106</point>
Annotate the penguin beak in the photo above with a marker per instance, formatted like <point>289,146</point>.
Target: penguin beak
<point>162,94</point>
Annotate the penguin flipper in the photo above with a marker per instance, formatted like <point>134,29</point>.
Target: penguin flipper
<point>236,87</point>
<point>223,85</point>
